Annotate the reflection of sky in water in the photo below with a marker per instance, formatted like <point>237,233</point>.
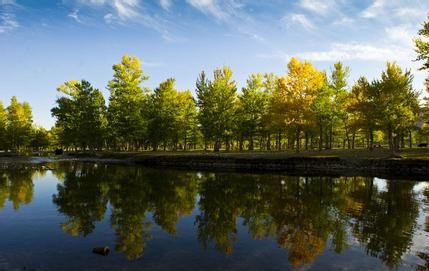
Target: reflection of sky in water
<point>31,236</point>
<point>381,184</point>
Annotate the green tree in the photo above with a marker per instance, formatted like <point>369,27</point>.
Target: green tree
<point>217,106</point>
<point>396,102</point>
<point>338,83</point>
<point>186,121</point>
<point>163,114</point>
<point>253,103</point>
<point>81,115</point>
<point>422,48</point>
<point>3,122</point>
<point>323,112</point>
<point>127,104</point>
<point>19,124</point>
<point>41,138</point>
<point>362,109</point>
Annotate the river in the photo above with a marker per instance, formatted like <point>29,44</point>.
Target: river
<point>52,216</point>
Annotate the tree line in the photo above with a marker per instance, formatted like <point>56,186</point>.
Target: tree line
<point>17,131</point>
<point>306,109</point>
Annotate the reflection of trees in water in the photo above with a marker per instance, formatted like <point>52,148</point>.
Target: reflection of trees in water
<point>386,221</point>
<point>424,255</point>
<point>16,185</point>
<point>82,197</point>
<point>302,214</point>
<point>132,192</point>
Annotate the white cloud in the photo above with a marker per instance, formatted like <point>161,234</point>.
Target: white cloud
<point>374,9</point>
<point>410,12</point>
<point>8,20</point>
<point>349,51</point>
<point>7,2</point>
<point>296,18</point>
<point>344,21</point>
<point>231,13</point>
<point>357,51</point>
<point>210,7</point>
<point>109,18</point>
<point>401,33</point>
<point>317,6</point>
<point>166,4</point>
<point>124,9</point>
<point>75,15</point>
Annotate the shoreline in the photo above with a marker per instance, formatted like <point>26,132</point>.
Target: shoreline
<point>347,163</point>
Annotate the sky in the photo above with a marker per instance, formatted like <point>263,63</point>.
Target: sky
<point>44,43</point>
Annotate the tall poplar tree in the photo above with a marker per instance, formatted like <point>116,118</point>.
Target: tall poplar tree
<point>127,104</point>
<point>19,124</point>
<point>163,113</point>
<point>295,95</point>
<point>3,121</point>
<point>253,103</point>
<point>396,102</point>
<point>422,50</point>
<point>217,106</point>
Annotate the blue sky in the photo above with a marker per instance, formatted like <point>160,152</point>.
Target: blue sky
<point>45,42</point>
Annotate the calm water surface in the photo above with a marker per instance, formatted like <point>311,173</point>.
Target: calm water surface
<point>157,219</point>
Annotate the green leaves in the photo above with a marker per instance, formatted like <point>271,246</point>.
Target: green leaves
<point>217,105</point>
<point>19,124</point>
<point>127,103</point>
<point>81,115</point>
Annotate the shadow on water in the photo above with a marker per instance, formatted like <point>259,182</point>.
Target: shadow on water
<point>304,215</point>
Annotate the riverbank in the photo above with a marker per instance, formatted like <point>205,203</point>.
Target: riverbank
<point>410,163</point>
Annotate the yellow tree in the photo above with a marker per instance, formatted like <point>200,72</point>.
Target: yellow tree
<point>295,95</point>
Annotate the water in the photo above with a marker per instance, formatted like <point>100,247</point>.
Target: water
<point>157,219</point>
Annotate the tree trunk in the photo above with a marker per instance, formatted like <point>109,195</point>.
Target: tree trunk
<point>269,142</point>
<point>216,146</point>
<point>306,141</point>
<point>297,140</point>
<point>251,142</point>
<point>411,139</point>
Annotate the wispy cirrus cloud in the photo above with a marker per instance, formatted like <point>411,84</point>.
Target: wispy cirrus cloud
<point>124,9</point>
<point>231,13</point>
<point>8,21</point>
<point>166,4</point>
<point>349,51</point>
<point>374,9</point>
<point>297,19</point>
<point>75,16</point>
<point>220,11</point>
<point>317,6</point>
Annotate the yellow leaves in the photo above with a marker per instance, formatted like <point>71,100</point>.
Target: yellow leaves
<point>70,88</point>
<point>295,93</point>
